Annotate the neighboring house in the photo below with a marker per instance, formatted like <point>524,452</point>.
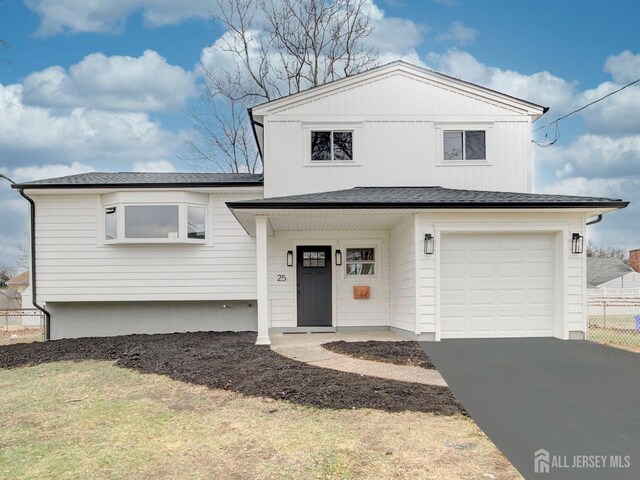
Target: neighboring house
<point>610,274</point>
<point>21,292</point>
<point>382,206</point>
<point>20,282</point>
<point>9,300</point>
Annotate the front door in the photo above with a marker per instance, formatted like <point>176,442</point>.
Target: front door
<point>314,286</point>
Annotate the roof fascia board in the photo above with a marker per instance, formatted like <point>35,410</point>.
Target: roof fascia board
<point>71,186</point>
<point>80,189</point>
<point>524,206</point>
<point>386,70</point>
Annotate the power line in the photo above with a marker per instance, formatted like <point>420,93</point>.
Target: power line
<point>557,120</point>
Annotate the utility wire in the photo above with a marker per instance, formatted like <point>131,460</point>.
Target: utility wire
<point>557,120</point>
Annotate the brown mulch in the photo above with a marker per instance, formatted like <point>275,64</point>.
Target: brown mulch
<point>232,361</point>
<point>405,353</point>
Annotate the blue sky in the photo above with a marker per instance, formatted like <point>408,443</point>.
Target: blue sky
<point>106,85</point>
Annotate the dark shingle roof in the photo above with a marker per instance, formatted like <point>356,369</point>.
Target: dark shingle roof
<point>142,179</point>
<point>427,197</point>
<point>601,270</point>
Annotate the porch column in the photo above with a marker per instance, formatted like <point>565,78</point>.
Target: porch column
<point>263,297</point>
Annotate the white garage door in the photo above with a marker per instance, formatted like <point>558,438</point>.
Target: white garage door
<point>497,285</point>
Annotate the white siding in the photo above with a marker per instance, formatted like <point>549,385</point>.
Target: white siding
<point>348,312</point>
<point>398,94</point>
<point>396,120</point>
<point>74,265</point>
<point>402,275</point>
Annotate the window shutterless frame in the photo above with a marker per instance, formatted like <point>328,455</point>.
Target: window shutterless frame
<point>360,262</point>
<point>449,133</point>
<point>331,145</point>
<point>332,129</point>
<point>192,224</point>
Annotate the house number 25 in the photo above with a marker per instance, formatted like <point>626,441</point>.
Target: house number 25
<point>282,277</point>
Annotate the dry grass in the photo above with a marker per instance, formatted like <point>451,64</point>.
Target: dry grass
<point>93,420</point>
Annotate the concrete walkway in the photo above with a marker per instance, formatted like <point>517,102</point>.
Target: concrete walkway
<point>306,347</point>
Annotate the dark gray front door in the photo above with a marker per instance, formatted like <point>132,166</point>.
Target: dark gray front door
<point>314,286</point>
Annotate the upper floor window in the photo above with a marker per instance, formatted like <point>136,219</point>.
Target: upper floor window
<point>464,145</point>
<point>331,145</point>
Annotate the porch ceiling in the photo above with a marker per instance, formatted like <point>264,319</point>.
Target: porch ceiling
<point>315,221</point>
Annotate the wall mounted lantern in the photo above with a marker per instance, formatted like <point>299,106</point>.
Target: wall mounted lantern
<point>338,257</point>
<point>577,243</point>
<point>429,243</point>
<point>290,258</point>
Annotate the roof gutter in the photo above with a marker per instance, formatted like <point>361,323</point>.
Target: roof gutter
<point>68,186</point>
<point>34,287</point>
<point>449,205</point>
<point>597,220</point>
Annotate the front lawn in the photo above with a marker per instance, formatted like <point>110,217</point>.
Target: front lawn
<point>92,419</point>
<point>209,406</point>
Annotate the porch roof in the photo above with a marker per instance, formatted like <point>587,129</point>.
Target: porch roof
<point>378,208</point>
<point>425,197</point>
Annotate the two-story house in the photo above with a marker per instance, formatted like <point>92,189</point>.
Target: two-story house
<point>397,199</point>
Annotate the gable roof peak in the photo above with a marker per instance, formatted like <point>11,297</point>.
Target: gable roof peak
<point>388,69</point>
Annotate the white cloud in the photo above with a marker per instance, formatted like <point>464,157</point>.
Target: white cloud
<point>78,16</point>
<point>459,34</point>
<point>36,172</point>
<point>145,83</point>
<point>396,35</point>
<point>42,135</point>
<point>618,114</point>
<point>594,156</point>
<point>540,87</point>
<point>159,166</point>
<point>624,67</point>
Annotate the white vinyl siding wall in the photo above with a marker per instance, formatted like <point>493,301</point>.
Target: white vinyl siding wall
<point>397,146</point>
<point>75,265</point>
<point>402,275</point>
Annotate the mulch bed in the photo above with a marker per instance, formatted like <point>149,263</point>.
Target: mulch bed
<point>231,361</point>
<point>399,353</point>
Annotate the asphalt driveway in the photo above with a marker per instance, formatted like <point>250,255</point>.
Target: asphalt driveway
<point>575,399</point>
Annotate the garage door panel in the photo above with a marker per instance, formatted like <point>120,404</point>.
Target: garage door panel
<point>481,270</point>
<point>481,297</point>
<point>497,285</point>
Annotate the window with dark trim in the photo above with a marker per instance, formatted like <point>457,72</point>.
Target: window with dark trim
<point>464,145</point>
<point>360,261</point>
<point>331,145</point>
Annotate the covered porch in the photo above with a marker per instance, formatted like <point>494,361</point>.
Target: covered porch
<point>335,271</point>
<point>424,262</point>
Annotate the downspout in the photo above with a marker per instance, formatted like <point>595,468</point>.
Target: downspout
<point>255,123</point>
<point>34,295</point>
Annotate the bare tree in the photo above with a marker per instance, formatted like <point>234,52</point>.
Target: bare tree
<point>272,48</point>
<point>594,250</point>
<point>5,45</point>
<point>23,257</point>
